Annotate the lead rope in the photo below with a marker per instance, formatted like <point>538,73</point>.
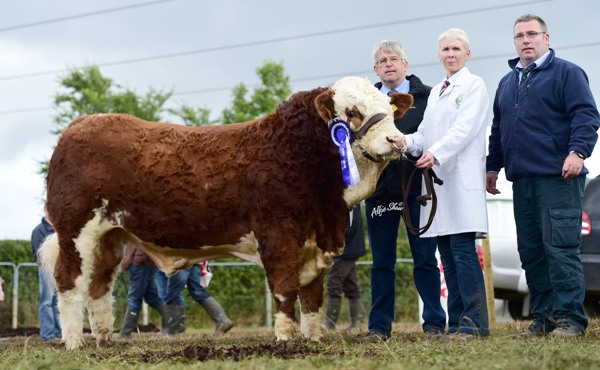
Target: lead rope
<point>429,176</point>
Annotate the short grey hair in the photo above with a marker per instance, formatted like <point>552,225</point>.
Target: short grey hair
<point>455,34</point>
<point>532,17</point>
<point>389,46</point>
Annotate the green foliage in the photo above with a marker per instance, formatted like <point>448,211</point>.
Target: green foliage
<point>16,251</point>
<point>87,91</point>
<point>192,116</point>
<point>275,88</point>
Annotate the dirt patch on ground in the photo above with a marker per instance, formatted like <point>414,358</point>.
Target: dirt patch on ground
<point>238,353</point>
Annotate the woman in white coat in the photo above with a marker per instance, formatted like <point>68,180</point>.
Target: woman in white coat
<point>451,140</point>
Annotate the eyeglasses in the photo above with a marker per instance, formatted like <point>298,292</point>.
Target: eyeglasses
<point>393,60</point>
<point>529,35</point>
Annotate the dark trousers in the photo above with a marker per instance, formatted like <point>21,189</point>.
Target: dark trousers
<point>548,218</point>
<point>342,278</point>
<point>467,304</point>
<point>383,220</point>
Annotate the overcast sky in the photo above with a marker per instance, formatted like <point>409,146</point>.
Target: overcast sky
<point>201,49</point>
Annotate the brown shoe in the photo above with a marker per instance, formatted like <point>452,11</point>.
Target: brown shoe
<point>565,329</point>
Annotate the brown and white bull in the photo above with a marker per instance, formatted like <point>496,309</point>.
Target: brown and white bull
<point>268,191</point>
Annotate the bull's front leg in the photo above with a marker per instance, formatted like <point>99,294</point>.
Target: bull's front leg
<point>281,268</point>
<point>311,299</point>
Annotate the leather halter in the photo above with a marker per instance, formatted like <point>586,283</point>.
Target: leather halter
<point>363,130</point>
<point>373,120</point>
<point>429,177</point>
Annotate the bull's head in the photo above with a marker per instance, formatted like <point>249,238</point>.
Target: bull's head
<point>370,116</point>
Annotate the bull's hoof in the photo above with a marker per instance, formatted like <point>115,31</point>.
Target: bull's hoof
<point>74,342</point>
<point>103,342</point>
<point>315,339</point>
<point>294,341</point>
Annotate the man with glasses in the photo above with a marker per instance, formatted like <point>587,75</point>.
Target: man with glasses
<point>544,126</point>
<point>384,210</point>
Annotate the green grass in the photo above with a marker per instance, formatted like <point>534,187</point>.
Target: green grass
<point>245,348</point>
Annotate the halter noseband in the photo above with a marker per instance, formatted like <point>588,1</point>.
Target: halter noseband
<point>363,130</point>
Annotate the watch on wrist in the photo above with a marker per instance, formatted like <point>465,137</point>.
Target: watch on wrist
<point>579,155</point>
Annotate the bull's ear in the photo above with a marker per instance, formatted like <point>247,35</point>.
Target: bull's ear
<point>325,105</point>
<point>401,103</point>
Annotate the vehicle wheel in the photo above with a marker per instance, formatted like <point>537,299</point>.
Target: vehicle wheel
<point>515,309</point>
<point>591,306</point>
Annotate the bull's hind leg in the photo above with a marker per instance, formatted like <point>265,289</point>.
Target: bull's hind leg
<point>102,279</point>
<point>311,299</point>
<point>66,264</point>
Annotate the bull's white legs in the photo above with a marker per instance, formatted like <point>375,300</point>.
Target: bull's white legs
<point>310,326</point>
<point>70,305</point>
<point>285,328</point>
<point>101,318</point>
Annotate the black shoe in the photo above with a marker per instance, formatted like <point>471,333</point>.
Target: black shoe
<point>536,329</point>
<point>434,333</point>
<point>565,329</point>
<point>376,336</point>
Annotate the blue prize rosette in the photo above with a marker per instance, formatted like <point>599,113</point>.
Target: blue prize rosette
<point>341,137</point>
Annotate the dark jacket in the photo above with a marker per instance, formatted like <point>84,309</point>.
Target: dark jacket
<point>389,181</point>
<point>554,115</point>
<point>354,247</point>
<point>38,235</point>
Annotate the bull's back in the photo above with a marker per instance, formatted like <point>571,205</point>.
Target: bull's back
<point>158,175</point>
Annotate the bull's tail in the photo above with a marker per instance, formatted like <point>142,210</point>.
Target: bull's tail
<point>48,254</point>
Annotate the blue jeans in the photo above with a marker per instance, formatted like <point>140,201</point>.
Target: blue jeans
<point>48,307</point>
<point>548,218</point>
<point>467,305</point>
<point>383,220</point>
<point>176,283</point>
<point>142,285</point>
<point>162,285</point>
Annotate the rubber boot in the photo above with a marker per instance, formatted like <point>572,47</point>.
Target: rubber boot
<point>357,314</point>
<point>161,308</point>
<point>181,327</point>
<point>215,311</point>
<point>129,323</point>
<point>332,314</point>
<point>173,315</point>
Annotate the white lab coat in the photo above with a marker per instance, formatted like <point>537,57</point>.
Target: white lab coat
<point>453,130</point>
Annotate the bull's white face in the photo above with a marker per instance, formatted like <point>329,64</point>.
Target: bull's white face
<point>356,100</point>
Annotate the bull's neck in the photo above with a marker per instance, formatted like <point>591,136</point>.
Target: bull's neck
<point>369,175</point>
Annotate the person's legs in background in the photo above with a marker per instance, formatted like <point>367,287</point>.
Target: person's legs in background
<point>212,307</point>
<point>48,308</point>
<point>352,292</point>
<point>174,303</point>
